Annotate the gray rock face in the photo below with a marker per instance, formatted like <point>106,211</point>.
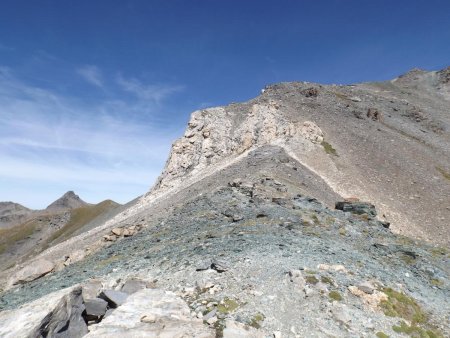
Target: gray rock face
<point>55,315</point>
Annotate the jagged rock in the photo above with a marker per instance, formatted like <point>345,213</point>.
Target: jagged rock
<point>374,114</point>
<point>219,265</point>
<point>355,99</point>
<point>235,329</point>
<point>151,313</point>
<point>55,315</point>
<point>113,297</point>
<point>357,207</point>
<point>110,238</point>
<point>117,231</point>
<point>34,270</point>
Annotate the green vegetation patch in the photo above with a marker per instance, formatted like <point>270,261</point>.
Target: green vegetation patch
<point>329,148</point>
<point>9,237</point>
<point>227,305</point>
<point>445,174</point>
<point>415,331</point>
<point>400,305</point>
<point>381,335</point>
<point>334,295</point>
<point>327,280</point>
<point>311,279</point>
<point>256,320</point>
<point>78,218</point>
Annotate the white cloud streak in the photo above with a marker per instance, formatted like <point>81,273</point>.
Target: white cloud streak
<point>91,74</point>
<point>155,93</point>
<point>47,139</point>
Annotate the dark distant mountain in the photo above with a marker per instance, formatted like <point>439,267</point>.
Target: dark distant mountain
<point>67,201</point>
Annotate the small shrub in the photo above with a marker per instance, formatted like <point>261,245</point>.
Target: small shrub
<point>415,331</point>
<point>445,174</point>
<point>327,280</point>
<point>381,335</point>
<point>400,305</point>
<point>227,305</point>
<point>256,320</point>
<point>329,148</point>
<point>334,295</point>
<point>311,280</point>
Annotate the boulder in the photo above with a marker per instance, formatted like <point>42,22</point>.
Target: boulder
<point>357,207</point>
<point>58,315</point>
<point>95,308</point>
<point>34,270</point>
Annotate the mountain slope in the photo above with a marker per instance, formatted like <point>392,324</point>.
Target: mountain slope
<point>12,213</point>
<point>241,224</point>
<point>45,228</point>
<point>248,243</point>
<point>388,143</point>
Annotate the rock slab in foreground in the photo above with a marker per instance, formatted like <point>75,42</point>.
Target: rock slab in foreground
<point>151,313</point>
<point>56,315</point>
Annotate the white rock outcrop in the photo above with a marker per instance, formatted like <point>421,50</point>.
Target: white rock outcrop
<point>219,134</point>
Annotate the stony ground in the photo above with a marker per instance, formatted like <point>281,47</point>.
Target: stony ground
<point>260,251</point>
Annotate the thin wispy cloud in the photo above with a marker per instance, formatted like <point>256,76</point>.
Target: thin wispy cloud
<point>6,48</point>
<point>91,74</point>
<point>61,142</point>
<point>155,93</point>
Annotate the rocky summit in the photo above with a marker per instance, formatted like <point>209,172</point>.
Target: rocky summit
<point>310,211</point>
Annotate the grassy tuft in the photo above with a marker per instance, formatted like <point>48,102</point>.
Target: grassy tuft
<point>329,148</point>
<point>227,306</point>
<point>445,174</point>
<point>400,305</point>
<point>415,331</point>
<point>334,295</point>
<point>256,320</point>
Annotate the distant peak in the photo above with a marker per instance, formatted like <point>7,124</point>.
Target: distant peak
<point>69,200</point>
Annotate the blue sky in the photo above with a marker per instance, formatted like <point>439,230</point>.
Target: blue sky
<point>92,93</point>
